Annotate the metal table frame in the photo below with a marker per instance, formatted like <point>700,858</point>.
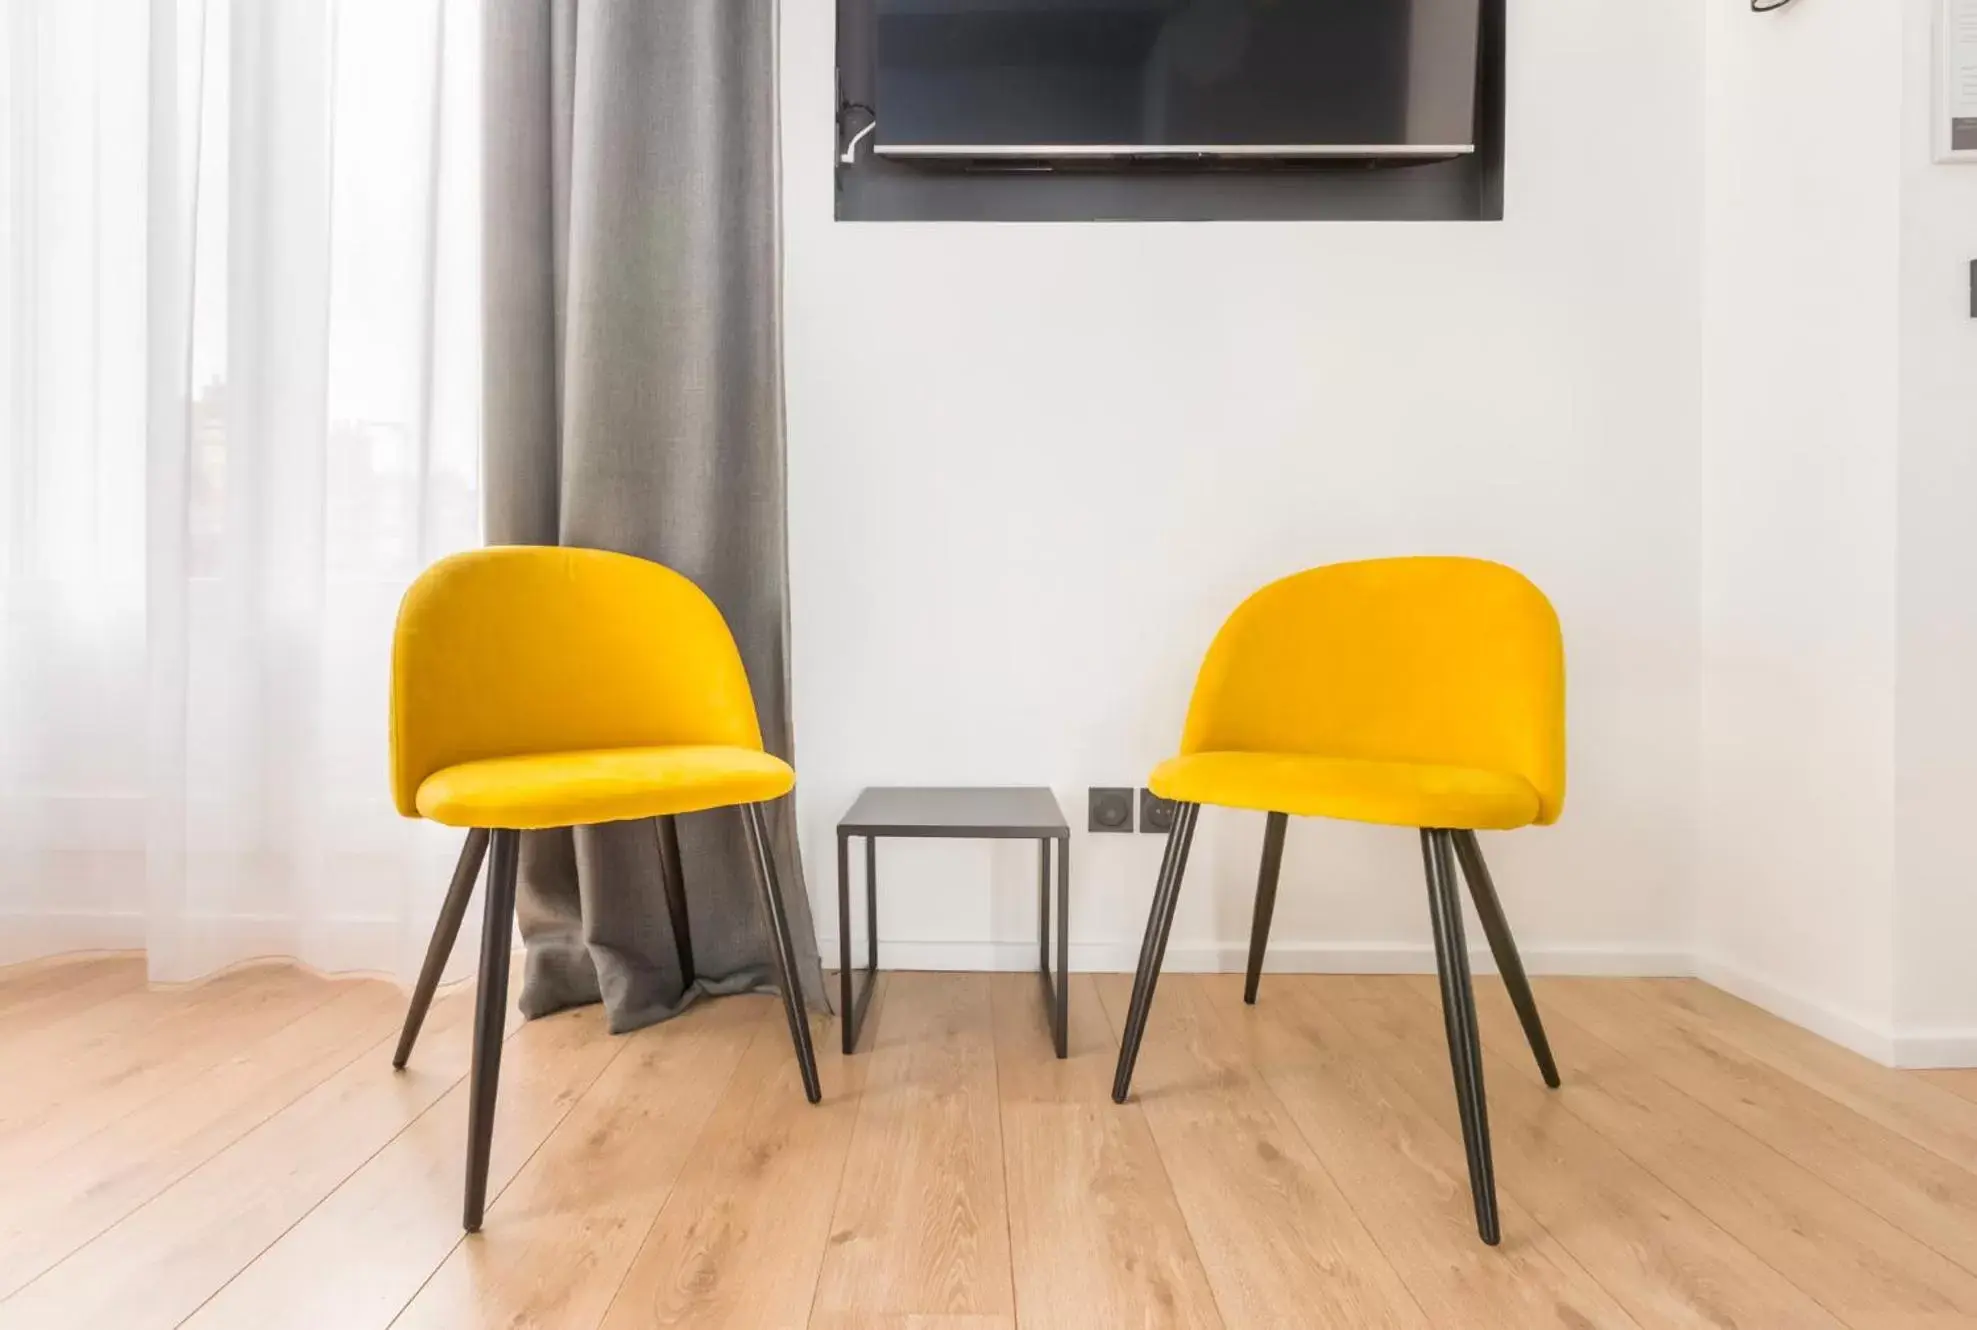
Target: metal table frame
<point>854,997</point>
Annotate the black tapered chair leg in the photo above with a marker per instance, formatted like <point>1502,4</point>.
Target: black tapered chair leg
<point>1266,901</point>
<point>1489,910</point>
<point>672,875</point>
<point>444,934</point>
<point>786,971</point>
<point>490,1017</point>
<point>1153,949</point>
<point>1465,1052</point>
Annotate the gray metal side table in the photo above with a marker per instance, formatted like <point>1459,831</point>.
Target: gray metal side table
<point>969,813</point>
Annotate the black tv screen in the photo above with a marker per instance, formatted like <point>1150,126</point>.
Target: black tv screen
<point>1176,78</point>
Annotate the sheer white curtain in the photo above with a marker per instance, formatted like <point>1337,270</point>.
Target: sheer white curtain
<point>239,380</point>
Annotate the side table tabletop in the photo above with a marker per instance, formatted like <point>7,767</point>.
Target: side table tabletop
<point>990,812</point>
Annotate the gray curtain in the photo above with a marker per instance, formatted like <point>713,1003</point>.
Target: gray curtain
<point>633,396</point>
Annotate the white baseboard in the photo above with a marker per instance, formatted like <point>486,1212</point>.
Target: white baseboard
<point>1920,1050</point>
<point>363,944</point>
<point>1914,1048</point>
<point>1867,1037</point>
<point>1284,958</point>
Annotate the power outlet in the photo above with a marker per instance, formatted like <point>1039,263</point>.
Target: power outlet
<point>1111,809</point>
<point>1156,814</point>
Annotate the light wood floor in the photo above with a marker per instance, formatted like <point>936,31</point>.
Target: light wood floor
<point>241,1153</point>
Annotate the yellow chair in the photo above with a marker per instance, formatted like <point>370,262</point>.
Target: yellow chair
<point>1425,692</point>
<point>546,687</point>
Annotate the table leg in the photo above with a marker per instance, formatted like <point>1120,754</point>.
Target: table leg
<point>1062,1016</point>
<point>1056,992</point>
<point>1043,905</point>
<point>847,1015</point>
<point>854,998</point>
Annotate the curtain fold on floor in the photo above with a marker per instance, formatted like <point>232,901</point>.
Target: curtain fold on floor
<point>634,402</point>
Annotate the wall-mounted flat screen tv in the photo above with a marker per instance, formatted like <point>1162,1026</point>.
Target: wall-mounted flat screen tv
<point>1064,81</point>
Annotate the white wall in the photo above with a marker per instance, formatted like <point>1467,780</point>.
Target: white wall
<point>1839,882</point>
<point>1935,982</point>
<point>1802,223</point>
<point>1031,467</point>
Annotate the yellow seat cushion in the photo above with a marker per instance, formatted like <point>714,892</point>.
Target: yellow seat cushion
<point>1404,794</point>
<point>600,785</point>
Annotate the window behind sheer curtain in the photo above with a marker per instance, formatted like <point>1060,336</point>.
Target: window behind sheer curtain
<point>239,380</point>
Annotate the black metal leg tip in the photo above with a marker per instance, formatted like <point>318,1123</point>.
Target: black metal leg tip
<point>813,1094</point>
<point>471,1223</point>
<point>1249,999</point>
<point>398,1064</point>
<point>1551,1079</point>
<point>1490,1237</point>
<point>1120,1096</point>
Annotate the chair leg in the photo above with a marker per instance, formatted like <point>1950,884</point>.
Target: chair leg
<point>1504,947</point>
<point>444,934</point>
<point>1459,1017</point>
<point>772,899</point>
<point>1266,901</point>
<point>1153,950</point>
<point>672,874</point>
<point>490,1015</point>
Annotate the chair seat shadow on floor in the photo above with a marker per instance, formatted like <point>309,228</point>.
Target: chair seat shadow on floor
<point>537,687</point>
<point>1418,692</point>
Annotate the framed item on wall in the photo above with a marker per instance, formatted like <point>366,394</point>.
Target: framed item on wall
<point>1955,127</point>
<point>1170,110</point>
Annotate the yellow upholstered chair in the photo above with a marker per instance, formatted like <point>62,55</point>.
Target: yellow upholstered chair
<point>1425,692</point>
<point>546,687</point>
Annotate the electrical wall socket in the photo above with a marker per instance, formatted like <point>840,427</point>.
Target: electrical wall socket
<point>1156,814</point>
<point>1111,809</point>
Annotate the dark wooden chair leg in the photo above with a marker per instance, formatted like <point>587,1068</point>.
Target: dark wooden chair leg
<point>444,934</point>
<point>786,973</point>
<point>672,874</point>
<point>1153,950</point>
<point>1465,1051</point>
<point>1489,911</point>
<point>490,1016</point>
<point>1266,901</point>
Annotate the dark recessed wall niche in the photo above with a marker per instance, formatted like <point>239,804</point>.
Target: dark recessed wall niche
<point>1469,189</point>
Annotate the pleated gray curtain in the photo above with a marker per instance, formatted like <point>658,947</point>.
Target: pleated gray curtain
<point>633,400</point>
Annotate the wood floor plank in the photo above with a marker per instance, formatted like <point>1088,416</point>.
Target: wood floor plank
<point>1661,1259</point>
<point>1096,1236</point>
<point>1960,1081</point>
<point>1861,1268</point>
<point>741,1236</point>
<point>1272,1227</point>
<point>156,1266</point>
<point>1406,1175</point>
<point>1901,1101</point>
<point>71,1196</point>
<point>561,1236</point>
<point>397,1218</point>
<point>37,1000</point>
<point>46,974</point>
<point>867,1321</point>
<point>88,1088</point>
<point>1913,1188</point>
<point>61,1059</point>
<point>237,1154</point>
<point>926,1228</point>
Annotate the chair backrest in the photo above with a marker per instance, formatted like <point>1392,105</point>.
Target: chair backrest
<point>516,650</point>
<point>1454,662</point>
